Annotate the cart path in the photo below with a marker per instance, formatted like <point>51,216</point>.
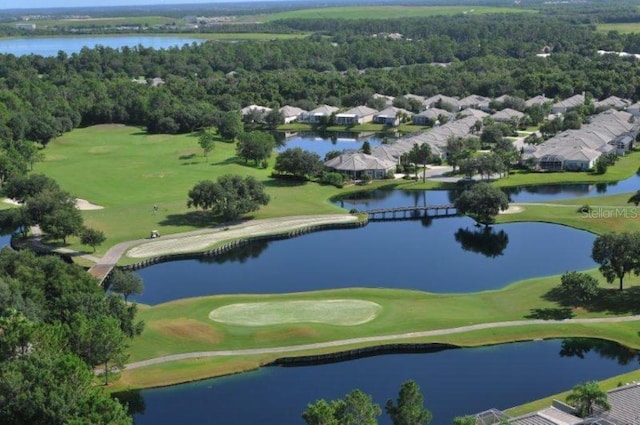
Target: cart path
<point>381,338</point>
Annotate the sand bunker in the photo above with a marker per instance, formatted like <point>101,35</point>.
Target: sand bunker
<point>340,312</point>
<point>513,209</point>
<point>81,204</point>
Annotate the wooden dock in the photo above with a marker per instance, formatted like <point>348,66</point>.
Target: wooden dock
<point>409,213</point>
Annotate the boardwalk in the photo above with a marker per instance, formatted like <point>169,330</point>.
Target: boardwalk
<point>407,213</point>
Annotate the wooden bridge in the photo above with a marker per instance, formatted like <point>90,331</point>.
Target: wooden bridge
<point>409,213</point>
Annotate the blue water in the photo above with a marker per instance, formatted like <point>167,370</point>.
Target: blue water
<point>542,193</point>
<point>454,383</point>
<point>322,144</point>
<point>404,254</point>
<point>50,46</point>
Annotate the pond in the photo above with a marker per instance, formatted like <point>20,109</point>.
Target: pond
<point>541,193</point>
<point>454,382</point>
<point>322,143</point>
<point>50,46</point>
<point>441,255</point>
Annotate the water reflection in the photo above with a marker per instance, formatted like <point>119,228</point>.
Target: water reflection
<point>382,198</point>
<point>580,347</point>
<point>454,382</point>
<point>322,143</point>
<point>486,241</point>
<point>241,254</point>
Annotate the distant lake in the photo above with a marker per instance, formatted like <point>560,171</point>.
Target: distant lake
<point>50,46</point>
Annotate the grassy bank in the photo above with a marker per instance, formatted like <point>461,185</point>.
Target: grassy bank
<point>184,325</point>
<point>608,214</point>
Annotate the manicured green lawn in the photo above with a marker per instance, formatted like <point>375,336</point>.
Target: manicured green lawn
<point>128,171</point>
<point>184,325</point>
<point>388,12</point>
<point>623,169</point>
<point>608,214</point>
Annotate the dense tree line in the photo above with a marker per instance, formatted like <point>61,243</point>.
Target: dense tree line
<point>57,325</point>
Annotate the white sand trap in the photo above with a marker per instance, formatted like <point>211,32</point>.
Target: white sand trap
<point>81,204</point>
<point>513,209</point>
<point>340,312</point>
<point>84,205</point>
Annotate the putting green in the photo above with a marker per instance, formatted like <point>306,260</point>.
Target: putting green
<point>341,312</point>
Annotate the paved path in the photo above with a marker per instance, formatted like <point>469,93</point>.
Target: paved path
<point>381,338</point>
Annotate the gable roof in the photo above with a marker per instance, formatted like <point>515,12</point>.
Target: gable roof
<point>538,100</point>
<point>570,102</point>
<point>323,110</point>
<point>507,114</point>
<point>392,111</point>
<point>360,111</point>
<point>358,161</point>
<point>291,111</point>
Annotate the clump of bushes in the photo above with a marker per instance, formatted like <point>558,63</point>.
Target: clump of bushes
<point>334,179</point>
<point>585,209</point>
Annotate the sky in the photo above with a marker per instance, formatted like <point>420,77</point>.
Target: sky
<point>31,4</point>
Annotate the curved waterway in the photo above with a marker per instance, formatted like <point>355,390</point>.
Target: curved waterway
<point>454,382</point>
<point>442,255</point>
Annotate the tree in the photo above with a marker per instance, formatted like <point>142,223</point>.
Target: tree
<point>21,187</point>
<point>491,135</point>
<point>358,409</point>
<point>635,199</point>
<point>366,147</point>
<point>457,150</point>
<point>420,154</point>
<point>617,254</point>
<point>230,125</point>
<point>322,413</point>
<point>409,409</point>
<point>56,388</point>
<point>298,162</point>
<point>62,222</point>
<point>579,287</point>
<point>92,237</point>
<point>482,203</point>
<point>256,146</point>
<point>273,119</point>
<point>16,331</point>
<point>206,141</point>
<point>464,420</point>
<point>507,153</point>
<point>586,397</point>
<point>229,197</point>
<point>126,283</point>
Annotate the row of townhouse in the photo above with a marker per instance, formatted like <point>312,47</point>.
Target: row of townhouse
<point>624,410</point>
<point>609,131</point>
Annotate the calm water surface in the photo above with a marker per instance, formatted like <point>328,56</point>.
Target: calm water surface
<point>50,46</point>
<point>321,144</point>
<point>454,382</point>
<point>444,255</point>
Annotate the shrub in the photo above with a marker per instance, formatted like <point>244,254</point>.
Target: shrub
<point>334,179</point>
<point>584,209</point>
<point>390,175</point>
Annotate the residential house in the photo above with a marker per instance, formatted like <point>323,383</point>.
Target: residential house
<point>440,100</point>
<point>391,116</point>
<point>474,101</point>
<point>624,409</point>
<point>538,100</point>
<point>570,103</point>
<point>387,99</point>
<point>634,109</point>
<point>291,113</point>
<point>356,165</point>
<point>414,97</point>
<point>608,131</point>
<point>260,111</point>
<point>357,115</point>
<point>316,116</point>
<point>475,113</point>
<point>612,102</point>
<point>432,116</point>
<point>508,115</point>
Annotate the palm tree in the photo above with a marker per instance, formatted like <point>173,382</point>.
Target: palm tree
<point>635,199</point>
<point>586,397</point>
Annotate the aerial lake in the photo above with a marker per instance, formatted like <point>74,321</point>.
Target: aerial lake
<point>454,382</point>
<point>50,46</point>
